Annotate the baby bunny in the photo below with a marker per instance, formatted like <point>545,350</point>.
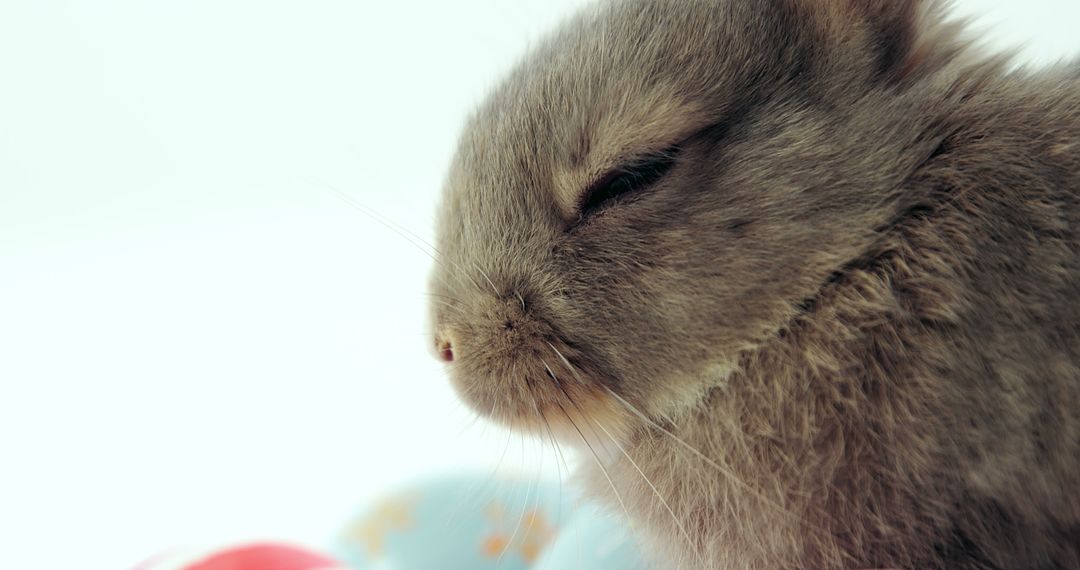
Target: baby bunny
<point>802,276</point>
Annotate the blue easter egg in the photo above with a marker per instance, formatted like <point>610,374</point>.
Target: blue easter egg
<point>462,523</point>
<point>593,539</point>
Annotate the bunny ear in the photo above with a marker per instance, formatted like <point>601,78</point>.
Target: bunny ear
<point>906,36</point>
<point>894,27</point>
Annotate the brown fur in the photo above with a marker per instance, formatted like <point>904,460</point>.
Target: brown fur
<point>843,331</point>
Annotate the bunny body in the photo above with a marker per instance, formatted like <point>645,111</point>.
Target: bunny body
<point>802,275</point>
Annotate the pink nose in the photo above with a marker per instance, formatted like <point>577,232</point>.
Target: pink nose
<point>444,349</point>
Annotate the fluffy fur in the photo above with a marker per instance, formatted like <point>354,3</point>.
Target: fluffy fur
<point>843,331</point>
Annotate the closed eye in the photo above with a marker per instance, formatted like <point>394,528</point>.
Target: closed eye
<point>625,180</point>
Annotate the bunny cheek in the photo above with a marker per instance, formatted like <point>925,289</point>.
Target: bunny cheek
<point>515,369</point>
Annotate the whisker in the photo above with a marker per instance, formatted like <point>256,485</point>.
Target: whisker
<point>447,298</point>
<point>470,424</point>
<point>536,505</point>
<point>648,481</point>
<point>585,440</point>
<point>555,444</point>
<point>448,305</point>
<point>524,508</point>
<point>565,361</point>
<point>596,458</point>
<point>731,475</point>
<point>558,456</point>
<point>405,234</point>
<point>674,517</point>
<point>488,278</point>
<point>476,486</point>
<point>373,213</point>
<point>417,241</point>
<point>547,424</point>
<point>725,471</point>
<point>709,461</point>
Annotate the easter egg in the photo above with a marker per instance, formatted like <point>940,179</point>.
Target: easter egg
<point>462,523</point>
<point>593,539</point>
<point>255,556</point>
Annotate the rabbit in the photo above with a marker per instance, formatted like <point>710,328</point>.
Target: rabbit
<point>800,278</point>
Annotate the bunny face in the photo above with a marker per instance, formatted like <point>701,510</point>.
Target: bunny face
<point>659,187</point>
<point>805,265</point>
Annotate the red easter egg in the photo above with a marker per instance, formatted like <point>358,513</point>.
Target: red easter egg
<point>256,556</point>
<point>265,557</point>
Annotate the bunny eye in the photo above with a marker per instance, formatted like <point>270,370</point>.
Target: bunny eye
<point>627,179</point>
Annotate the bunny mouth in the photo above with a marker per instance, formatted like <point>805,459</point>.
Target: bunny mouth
<point>521,374</point>
<point>547,398</point>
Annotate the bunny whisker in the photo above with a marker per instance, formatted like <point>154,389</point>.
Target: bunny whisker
<point>448,305</point>
<point>727,472</point>
<point>678,523</point>
<point>403,232</point>
<point>559,456</point>
<point>406,234</point>
<point>488,279</point>
<point>521,517</point>
<point>447,298</point>
<point>643,417</point>
<point>597,460</point>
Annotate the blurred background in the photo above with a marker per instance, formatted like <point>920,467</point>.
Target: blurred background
<point>204,335</point>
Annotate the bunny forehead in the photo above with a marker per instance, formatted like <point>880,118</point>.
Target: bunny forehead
<point>623,80</point>
<point>559,144</point>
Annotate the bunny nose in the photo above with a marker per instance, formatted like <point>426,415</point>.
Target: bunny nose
<point>444,349</point>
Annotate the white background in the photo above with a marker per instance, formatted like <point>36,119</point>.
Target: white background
<point>200,340</point>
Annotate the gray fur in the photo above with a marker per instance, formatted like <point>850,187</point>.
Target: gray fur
<point>856,294</point>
